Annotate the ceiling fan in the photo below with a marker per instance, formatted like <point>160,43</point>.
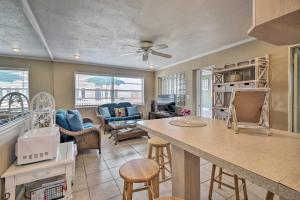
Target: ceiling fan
<point>146,48</point>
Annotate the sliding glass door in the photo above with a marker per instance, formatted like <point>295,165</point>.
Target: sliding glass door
<point>294,120</point>
<point>204,93</point>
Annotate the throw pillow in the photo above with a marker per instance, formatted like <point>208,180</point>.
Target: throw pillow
<point>133,110</point>
<point>61,119</point>
<point>104,112</point>
<point>75,120</point>
<point>120,112</point>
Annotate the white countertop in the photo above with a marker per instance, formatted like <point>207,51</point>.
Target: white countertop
<point>270,161</point>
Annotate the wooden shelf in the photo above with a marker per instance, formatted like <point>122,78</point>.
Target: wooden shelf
<point>221,108</point>
<point>239,82</point>
<point>236,68</point>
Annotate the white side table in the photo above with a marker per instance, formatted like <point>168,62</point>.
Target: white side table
<point>62,165</point>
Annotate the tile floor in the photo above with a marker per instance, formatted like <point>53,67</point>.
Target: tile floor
<point>97,176</point>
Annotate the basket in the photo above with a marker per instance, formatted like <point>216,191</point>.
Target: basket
<point>235,77</point>
<point>55,192</point>
<point>49,189</point>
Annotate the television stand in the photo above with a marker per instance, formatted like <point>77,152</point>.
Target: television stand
<point>162,114</point>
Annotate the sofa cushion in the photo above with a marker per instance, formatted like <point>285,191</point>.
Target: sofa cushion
<point>61,119</point>
<point>111,107</point>
<point>132,117</point>
<point>104,112</point>
<point>88,125</point>
<point>132,110</point>
<point>111,119</point>
<point>120,112</point>
<point>75,120</point>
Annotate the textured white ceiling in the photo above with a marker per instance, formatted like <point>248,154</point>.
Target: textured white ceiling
<point>17,32</point>
<point>100,29</point>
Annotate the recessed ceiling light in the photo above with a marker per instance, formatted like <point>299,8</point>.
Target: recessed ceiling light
<point>16,49</point>
<point>151,66</point>
<point>77,56</point>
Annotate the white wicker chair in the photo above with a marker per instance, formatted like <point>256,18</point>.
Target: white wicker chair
<point>42,109</point>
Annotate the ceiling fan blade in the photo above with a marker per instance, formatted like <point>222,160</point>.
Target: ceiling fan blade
<point>145,56</point>
<point>160,54</point>
<point>160,46</point>
<point>132,53</point>
<point>129,45</point>
<point>128,54</point>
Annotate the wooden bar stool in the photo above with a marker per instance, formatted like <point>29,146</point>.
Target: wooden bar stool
<point>140,171</point>
<point>158,145</point>
<point>169,198</point>
<point>218,179</point>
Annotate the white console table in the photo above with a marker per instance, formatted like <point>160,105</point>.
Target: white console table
<point>62,165</point>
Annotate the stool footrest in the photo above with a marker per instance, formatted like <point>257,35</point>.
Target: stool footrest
<point>140,189</point>
<point>225,184</point>
<point>166,179</point>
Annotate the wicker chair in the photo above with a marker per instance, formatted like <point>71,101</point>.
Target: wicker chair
<point>104,125</point>
<point>89,138</point>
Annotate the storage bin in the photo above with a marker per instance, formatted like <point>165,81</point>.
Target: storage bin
<point>220,114</point>
<point>247,85</point>
<point>230,87</point>
<point>219,88</point>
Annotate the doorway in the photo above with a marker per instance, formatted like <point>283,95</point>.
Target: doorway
<point>294,87</point>
<point>204,93</point>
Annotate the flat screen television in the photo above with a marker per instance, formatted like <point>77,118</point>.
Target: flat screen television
<point>166,103</point>
<point>165,99</point>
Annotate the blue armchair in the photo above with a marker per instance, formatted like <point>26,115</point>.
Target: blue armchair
<point>73,127</point>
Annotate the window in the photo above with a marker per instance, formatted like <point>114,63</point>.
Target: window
<point>174,84</point>
<point>92,90</point>
<point>13,81</point>
<point>205,84</point>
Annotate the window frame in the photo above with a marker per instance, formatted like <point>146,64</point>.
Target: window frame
<point>174,84</point>
<point>20,69</point>
<point>109,75</point>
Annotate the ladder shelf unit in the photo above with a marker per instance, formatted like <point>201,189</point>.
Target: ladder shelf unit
<point>251,73</point>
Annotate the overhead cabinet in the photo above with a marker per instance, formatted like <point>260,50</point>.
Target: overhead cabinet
<point>276,21</point>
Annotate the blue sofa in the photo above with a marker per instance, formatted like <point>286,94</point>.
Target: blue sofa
<point>111,108</point>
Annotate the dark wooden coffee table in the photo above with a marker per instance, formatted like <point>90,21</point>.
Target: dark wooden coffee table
<point>126,129</point>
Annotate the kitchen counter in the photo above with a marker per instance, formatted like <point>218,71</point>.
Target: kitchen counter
<point>272,162</point>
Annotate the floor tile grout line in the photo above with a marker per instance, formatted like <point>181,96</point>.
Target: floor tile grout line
<point>107,168</point>
<point>87,179</point>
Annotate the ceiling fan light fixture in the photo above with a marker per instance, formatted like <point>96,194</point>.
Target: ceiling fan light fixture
<point>77,56</point>
<point>16,49</point>
<point>147,48</point>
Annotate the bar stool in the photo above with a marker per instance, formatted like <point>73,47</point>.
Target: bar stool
<point>269,196</point>
<point>140,171</point>
<point>169,198</point>
<point>158,145</point>
<point>218,179</point>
